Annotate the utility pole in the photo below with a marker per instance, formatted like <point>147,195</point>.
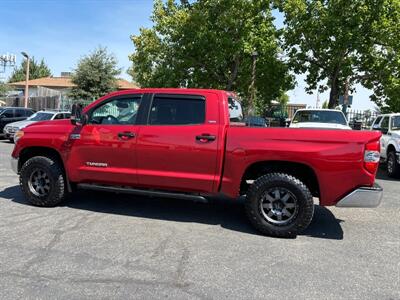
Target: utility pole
<point>24,54</point>
<point>252,85</point>
<point>317,104</point>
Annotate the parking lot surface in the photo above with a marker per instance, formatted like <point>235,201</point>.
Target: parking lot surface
<point>100,245</point>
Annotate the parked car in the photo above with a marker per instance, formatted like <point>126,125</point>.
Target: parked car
<point>43,115</point>
<point>319,118</point>
<point>254,121</point>
<point>13,114</point>
<point>182,143</point>
<point>389,125</point>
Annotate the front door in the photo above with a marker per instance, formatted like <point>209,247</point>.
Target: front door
<point>104,150</point>
<point>6,117</point>
<point>177,149</point>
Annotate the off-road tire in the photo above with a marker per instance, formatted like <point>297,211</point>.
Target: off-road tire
<point>305,205</point>
<point>55,174</point>
<point>393,172</point>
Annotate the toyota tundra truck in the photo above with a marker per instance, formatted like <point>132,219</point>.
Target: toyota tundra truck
<point>192,144</point>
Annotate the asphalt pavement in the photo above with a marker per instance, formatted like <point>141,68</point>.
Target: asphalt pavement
<point>100,245</point>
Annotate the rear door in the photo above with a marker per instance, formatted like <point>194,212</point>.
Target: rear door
<point>104,150</point>
<point>177,148</point>
<point>20,114</point>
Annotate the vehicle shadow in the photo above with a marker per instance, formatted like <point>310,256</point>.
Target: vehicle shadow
<point>382,174</point>
<point>220,212</point>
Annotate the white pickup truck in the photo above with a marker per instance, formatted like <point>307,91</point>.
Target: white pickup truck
<point>389,125</point>
<point>319,118</point>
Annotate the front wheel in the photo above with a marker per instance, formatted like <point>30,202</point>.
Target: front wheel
<point>279,205</point>
<point>43,181</point>
<point>393,167</point>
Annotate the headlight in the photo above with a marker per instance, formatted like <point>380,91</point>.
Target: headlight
<point>19,134</point>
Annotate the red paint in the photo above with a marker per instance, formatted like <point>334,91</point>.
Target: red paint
<point>169,157</point>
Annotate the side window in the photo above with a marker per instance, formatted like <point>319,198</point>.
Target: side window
<point>19,113</point>
<point>177,111</point>
<point>120,111</point>
<point>59,117</point>
<point>28,113</point>
<point>9,113</point>
<point>385,123</point>
<point>67,116</point>
<point>377,120</point>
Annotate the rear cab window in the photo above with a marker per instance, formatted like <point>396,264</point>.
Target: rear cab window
<point>235,110</point>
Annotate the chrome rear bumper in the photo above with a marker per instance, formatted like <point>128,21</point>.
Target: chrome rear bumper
<point>363,197</point>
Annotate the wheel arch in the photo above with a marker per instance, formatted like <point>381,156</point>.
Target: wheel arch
<point>49,152</point>
<point>390,148</point>
<point>299,170</point>
<point>32,151</point>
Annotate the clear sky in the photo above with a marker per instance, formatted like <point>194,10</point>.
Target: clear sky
<point>61,31</point>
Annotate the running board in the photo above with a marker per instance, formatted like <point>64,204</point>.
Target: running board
<point>127,190</point>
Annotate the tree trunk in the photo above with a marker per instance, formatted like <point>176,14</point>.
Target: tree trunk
<point>234,73</point>
<point>334,94</point>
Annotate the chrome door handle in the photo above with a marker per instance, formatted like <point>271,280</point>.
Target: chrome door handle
<point>205,138</point>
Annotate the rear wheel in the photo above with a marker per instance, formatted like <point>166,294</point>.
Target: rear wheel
<point>279,205</point>
<point>43,182</point>
<point>393,167</point>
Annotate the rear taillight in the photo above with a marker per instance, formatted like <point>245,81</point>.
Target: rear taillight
<point>372,156</point>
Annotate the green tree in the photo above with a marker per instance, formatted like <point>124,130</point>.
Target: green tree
<point>95,75</point>
<point>209,44</point>
<point>36,70</point>
<point>325,104</point>
<point>3,89</point>
<point>332,42</point>
<point>382,59</point>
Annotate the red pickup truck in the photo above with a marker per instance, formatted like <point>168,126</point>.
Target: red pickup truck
<point>193,144</point>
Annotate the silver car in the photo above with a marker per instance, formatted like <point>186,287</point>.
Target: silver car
<point>43,115</point>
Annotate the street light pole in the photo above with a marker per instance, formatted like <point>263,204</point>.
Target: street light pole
<point>24,54</point>
<point>252,85</point>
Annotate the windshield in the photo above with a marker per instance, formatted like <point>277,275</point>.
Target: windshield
<point>40,116</point>
<point>320,116</point>
<point>396,123</point>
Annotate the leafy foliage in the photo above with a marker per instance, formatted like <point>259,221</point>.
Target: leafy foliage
<point>95,75</point>
<point>338,40</point>
<point>382,60</point>
<point>36,70</point>
<point>209,44</point>
<point>4,88</point>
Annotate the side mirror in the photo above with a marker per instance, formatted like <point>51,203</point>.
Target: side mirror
<point>384,130</point>
<point>76,114</point>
